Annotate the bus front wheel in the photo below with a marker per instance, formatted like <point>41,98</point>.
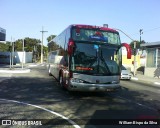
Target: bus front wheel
<point>61,82</point>
<point>49,71</point>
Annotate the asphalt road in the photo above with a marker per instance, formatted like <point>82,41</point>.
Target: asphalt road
<point>35,100</point>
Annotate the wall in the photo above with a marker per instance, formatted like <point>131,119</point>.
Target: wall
<point>5,57</point>
<point>29,57</point>
<point>152,72</point>
<point>152,69</point>
<point>140,59</point>
<point>128,62</point>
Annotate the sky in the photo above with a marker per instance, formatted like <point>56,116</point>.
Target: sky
<point>25,18</point>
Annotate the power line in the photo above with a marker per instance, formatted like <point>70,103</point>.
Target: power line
<point>144,31</point>
<point>152,29</point>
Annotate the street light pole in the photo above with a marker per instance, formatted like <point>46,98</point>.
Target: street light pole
<point>124,33</point>
<point>135,63</point>
<point>42,45</point>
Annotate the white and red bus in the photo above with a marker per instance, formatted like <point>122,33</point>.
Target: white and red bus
<point>88,58</point>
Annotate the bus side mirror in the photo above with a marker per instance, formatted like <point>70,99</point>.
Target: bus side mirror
<point>70,47</point>
<point>128,48</point>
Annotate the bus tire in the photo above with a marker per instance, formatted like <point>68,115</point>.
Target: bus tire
<point>61,83</point>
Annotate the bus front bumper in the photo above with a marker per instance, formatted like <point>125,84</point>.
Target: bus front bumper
<point>74,86</point>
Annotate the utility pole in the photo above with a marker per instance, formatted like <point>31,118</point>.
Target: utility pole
<point>23,53</point>
<point>141,32</point>
<point>13,52</point>
<point>42,45</point>
<point>135,62</point>
<point>135,52</point>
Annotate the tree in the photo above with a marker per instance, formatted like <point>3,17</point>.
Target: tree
<point>18,45</point>
<point>50,38</point>
<point>52,46</point>
<point>31,43</point>
<point>138,44</point>
<point>4,47</point>
<point>9,46</point>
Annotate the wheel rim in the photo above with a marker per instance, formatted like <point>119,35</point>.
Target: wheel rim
<point>60,80</point>
<point>49,70</point>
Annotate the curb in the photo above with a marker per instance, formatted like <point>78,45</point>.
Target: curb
<point>157,84</point>
<point>134,78</point>
<point>35,65</point>
<point>20,70</point>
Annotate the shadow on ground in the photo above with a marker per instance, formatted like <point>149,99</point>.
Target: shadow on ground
<point>44,91</point>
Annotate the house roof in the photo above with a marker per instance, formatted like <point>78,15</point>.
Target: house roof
<point>151,44</point>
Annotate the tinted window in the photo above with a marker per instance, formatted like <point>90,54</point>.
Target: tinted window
<point>123,68</point>
<point>95,59</point>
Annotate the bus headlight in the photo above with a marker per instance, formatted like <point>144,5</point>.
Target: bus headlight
<point>114,82</point>
<point>77,80</point>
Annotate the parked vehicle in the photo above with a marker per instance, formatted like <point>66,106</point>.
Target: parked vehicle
<point>125,74</point>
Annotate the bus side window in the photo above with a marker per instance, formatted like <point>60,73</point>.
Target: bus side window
<point>61,52</point>
<point>66,58</point>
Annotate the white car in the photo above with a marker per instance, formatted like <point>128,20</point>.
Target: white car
<point>125,74</point>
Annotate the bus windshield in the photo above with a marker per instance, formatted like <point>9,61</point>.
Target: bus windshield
<point>90,58</point>
<point>90,35</point>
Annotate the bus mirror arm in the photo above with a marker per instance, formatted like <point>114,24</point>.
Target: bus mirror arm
<point>66,62</point>
<point>70,50</point>
<point>128,48</point>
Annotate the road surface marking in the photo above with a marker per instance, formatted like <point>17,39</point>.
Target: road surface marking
<point>36,106</point>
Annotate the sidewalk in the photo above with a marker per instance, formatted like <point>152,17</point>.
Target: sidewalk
<point>18,68</point>
<point>145,79</point>
<point>15,69</point>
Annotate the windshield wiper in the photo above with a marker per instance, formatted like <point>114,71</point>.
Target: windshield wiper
<point>103,60</point>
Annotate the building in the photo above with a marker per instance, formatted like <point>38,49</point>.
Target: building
<point>152,66</point>
<point>2,34</point>
<point>129,63</point>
